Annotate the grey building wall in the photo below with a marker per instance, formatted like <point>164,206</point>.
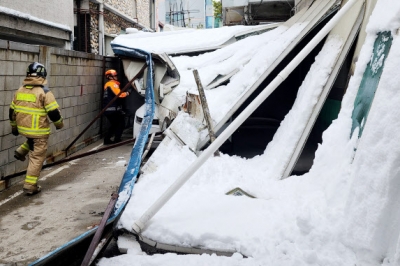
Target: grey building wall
<point>76,80</point>
<point>60,11</point>
<point>44,22</point>
<point>117,15</point>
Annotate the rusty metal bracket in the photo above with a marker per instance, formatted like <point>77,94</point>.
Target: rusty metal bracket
<point>206,111</point>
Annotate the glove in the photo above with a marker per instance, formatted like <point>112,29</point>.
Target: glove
<point>59,124</point>
<point>14,131</point>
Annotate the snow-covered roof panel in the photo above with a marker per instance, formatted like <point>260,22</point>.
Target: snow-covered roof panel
<point>173,42</point>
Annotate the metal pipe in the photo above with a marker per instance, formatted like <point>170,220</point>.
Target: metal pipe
<point>148,146</point>
<point>101,96</point>
<point>95,240</point>
<point>138,225</point>
<point>101,29</point>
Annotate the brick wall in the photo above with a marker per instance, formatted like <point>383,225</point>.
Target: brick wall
<point>113,24</point>
<point>125,6</point>
<point>143,12</point>
<point>75,78</point>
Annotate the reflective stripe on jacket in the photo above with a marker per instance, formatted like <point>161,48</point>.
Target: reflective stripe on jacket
<point>111,89</point>
<point>31,104</point>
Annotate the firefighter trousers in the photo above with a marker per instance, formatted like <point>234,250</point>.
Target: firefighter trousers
<point>37,149</point>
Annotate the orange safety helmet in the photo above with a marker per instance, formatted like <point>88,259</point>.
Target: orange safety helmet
<point>111,73</point>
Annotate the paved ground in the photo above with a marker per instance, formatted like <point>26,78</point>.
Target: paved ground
<point>73,199</point>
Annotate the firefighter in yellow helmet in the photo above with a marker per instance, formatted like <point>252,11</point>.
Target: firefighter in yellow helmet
<point>30,110</point>
<point>114,113</point>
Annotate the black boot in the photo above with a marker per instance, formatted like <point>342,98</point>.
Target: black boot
<point>19,156</point>
<point>108,142</point>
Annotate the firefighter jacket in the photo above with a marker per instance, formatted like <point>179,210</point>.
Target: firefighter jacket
<point>32,106</point>
<point>111,89</point>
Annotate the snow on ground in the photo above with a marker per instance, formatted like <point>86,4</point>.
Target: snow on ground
<point>343,212</point>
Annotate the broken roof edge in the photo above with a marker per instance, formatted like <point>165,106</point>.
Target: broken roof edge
<point>136,53</point>
<point>152,43</point>
<point>152,247</point>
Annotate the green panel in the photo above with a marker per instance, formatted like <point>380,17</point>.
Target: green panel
<point>370,81</point>
<point>329,112</point>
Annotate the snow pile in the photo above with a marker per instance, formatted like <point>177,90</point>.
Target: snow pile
<point>343,212</point>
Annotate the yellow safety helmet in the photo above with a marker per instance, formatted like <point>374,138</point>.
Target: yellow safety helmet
<point>111,73</point>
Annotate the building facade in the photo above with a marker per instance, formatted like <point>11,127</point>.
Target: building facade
<point>80,25</point>
<point>97,22</point>
<point>46,22</point>
<point>70,38</point>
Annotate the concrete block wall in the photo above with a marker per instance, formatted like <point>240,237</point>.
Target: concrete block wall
<point>75,78</point>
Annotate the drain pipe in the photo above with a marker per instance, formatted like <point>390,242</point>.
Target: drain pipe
<point>101,28</point>
<point>138,225</point>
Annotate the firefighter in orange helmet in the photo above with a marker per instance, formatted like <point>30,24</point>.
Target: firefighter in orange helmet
<point>114,113</point>
<point>31,109</point>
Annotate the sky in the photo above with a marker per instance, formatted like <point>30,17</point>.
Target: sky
<point>344,211</point>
